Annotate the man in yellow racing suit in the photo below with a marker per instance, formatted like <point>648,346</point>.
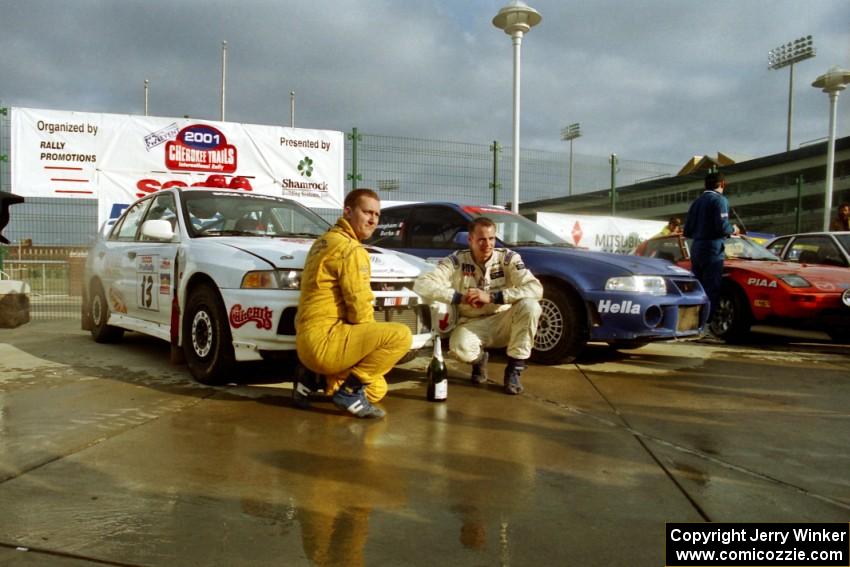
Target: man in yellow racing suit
<point>497,299</point>
<point>336,332</point>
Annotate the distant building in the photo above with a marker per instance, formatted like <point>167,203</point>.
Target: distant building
<point>764,192</point>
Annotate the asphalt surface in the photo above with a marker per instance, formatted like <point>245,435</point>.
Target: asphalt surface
<point>109,455</point>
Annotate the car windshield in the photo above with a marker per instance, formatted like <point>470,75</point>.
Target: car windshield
<point>215,213</point>
<point>844,241</point>
<point>745,249</point>
<point>515,230</point>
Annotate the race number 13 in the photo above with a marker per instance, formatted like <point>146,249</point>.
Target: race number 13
<point>147,291</point>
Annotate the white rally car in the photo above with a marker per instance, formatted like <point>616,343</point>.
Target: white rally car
<point>216,272</point>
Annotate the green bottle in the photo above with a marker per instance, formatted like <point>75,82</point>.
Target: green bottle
<point>438,375</point>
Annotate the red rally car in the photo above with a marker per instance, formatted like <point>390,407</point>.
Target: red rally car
<point>759,288</point>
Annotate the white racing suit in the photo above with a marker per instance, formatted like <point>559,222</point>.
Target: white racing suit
<point>510,320</point>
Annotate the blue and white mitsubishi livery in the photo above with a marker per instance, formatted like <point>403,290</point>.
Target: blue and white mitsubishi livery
<point>625,301</point>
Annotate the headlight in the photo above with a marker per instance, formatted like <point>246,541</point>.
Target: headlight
<point>654,285</point>
<point>794,280</point>
<point>272,279</point>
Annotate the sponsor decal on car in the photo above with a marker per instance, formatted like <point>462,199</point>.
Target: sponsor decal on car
<point>761,282</point>
<point>164,283</point>
<point>146,263</point>
<point>116,301</point>
<point>626,306</point>
<point>395,301</point>
<point>239,316</point>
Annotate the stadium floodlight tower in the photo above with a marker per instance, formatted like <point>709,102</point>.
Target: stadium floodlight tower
<point>570,133</point>
<point>516,19</point>
<point>832,82</point>
<point>785,56</point>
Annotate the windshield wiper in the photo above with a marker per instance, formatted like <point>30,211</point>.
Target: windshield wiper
<point>230,232</point>
<point>298,234</point>
<point>526,243</point>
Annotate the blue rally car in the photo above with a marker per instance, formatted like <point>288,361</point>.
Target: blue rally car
<point>626,301</point>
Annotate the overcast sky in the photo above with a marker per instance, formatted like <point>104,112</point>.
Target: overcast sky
<point>653,80</point>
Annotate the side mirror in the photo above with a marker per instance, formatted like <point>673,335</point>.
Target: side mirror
<point>159,229</point>
<point>461,239</point>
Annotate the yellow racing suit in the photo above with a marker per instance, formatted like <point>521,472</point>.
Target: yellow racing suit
<point>335,328</point>
<point>510,320</point>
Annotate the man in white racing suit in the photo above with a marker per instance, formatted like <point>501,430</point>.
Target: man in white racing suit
<point>497,299</point>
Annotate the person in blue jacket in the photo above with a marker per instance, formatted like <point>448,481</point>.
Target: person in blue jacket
<point>708,225</point>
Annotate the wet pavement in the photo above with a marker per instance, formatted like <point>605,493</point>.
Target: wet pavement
<point>111,456</point>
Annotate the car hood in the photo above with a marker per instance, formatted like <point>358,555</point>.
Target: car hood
<point>619,263</point>
<point>821,277</point>
<point>292,253</point>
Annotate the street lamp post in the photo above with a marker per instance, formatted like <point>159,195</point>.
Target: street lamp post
<point>570,133</point>
<point>785,56</point>
<point>613,161</point>
<point>516,19</point>
<point>832,82</point>
<point>223,77</point>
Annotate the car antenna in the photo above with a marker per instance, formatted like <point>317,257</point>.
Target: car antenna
<point>740,222</point>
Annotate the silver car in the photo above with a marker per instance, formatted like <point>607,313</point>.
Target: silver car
<point>828,248</point>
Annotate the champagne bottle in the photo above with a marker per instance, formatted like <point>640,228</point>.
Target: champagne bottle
<point>438,375</point>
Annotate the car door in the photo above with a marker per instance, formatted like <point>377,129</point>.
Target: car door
<point>118,275</point>
<point>151,264</point>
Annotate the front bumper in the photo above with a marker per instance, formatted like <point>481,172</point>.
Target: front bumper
<point>631,316</point>
<point>263,322</point>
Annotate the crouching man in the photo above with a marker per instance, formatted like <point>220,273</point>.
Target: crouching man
<point>336,332</point>
<point>497,299</point>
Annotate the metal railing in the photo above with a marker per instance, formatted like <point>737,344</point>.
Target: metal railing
<point>55,288</point>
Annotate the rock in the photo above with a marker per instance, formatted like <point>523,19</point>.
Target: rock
<point>14,303</point>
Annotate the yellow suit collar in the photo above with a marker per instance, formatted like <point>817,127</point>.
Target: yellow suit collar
<point>345,228</point>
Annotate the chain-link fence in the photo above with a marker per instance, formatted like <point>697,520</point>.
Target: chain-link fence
<point>412,169</point>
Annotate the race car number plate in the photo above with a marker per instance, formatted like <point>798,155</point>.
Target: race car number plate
<point>688,318</point>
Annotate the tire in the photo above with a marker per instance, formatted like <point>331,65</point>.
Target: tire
<point>562,330</point>
<point>207,343</point>
<point>627,345</point>
<point>732,319</point>
<point>99,313</point>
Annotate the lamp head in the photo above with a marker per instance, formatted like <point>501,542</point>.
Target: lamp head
<point>834,80</point>
<point>517,16</point>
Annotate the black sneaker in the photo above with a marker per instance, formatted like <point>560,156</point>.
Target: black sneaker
<point>479,369</point>
<point>304,384</point>
<point>512,372</point>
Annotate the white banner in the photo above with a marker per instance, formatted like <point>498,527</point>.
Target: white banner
<point>608,234</point>
<point>117,158</point>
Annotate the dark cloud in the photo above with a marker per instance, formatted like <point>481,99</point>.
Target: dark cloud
<point>654,80</point>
